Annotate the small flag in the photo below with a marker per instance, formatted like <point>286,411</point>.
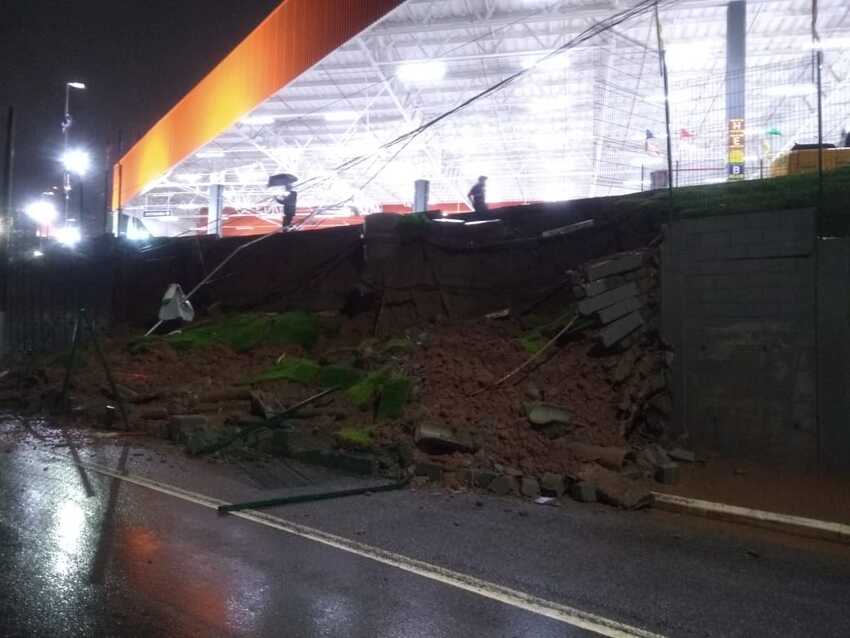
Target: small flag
<point>685,134</point>
<point>774,132</point>
<point>651,145</point>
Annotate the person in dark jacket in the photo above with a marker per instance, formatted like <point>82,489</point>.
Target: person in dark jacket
<point>478,196</point>
<point>290,205</point>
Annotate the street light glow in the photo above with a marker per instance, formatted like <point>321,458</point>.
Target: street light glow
<point>77,85</point>
<point>41,212</point>
<point>77,161</point>
<point>68,236</point>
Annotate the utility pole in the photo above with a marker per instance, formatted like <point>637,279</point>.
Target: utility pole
<point>67,122</point>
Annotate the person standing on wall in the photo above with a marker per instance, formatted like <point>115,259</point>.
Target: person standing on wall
<point>478,196</point>
<point>290,205</point>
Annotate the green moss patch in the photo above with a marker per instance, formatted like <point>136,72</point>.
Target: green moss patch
<point>339,377</point>
<point>356,438</point>
<point>366,392</point>
<point>244,332</point>
<point>303,371</point>
<point>394,395</point>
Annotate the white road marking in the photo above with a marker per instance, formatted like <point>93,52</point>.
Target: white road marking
<point>515,598</point>
<point>794,524</point>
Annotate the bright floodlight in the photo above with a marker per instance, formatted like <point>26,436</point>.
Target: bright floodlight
<point>77,85</point>
<point>41,212</point>
<point>77,161</point>
<point>421,72</point>
<point>68,236</point>
<point>341,116</point>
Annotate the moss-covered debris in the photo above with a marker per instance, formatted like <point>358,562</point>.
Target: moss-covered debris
<point>394,395</point>
<point>366,392</point>
<point>244,332</point>
<point>304,371</point>
<point>355,438</point>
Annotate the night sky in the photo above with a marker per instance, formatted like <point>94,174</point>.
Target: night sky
<point>138,57</point>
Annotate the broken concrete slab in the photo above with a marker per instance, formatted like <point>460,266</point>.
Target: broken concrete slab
<point>442,440</point>
<point>668,474</point>
<point>682,455</point>
<point>567,230</point>
<point>624,263</point>
<point>592,305</point>
<point>611,457</point>
<point>621,309</point>
<point>583,492</point>
<point>553,484</point>
<point>653,457</point>
<point>543,414</point>
<point>530,487</point>
<point>615,489</point>
<point>504,485</point>
<point>620,329</point>
<point>432,471</point>
<point>483,478</point>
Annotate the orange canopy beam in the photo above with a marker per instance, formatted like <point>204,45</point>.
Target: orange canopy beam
<point>297,35</point>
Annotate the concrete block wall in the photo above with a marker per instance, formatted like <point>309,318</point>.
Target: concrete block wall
<point>739,307</point>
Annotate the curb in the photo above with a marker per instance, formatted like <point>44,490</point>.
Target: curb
<point>798,525</point>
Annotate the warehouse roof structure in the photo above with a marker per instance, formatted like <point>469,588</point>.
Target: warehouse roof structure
<point>322,87</point>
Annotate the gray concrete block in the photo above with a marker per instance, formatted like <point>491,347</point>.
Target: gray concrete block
<point>620,329</point>
<point>530,487</point>
<point>667,474</point>
<point>597,303</point>
<point>504,485</point>
<point>553,484</point>
<point>583,492</point>
<point>621,309</point>
<point>614,266</point>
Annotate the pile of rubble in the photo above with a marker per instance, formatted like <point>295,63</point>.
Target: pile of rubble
<point>588,411</point>
<point>589,419</point>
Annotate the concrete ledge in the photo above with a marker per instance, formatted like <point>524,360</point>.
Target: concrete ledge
<point>797,525</point>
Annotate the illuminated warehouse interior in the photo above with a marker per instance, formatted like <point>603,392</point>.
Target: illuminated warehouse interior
<point>321,90</point>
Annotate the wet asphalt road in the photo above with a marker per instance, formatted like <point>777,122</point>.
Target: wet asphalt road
<point>88,555</point>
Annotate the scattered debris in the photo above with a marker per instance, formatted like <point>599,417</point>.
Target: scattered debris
<point>553,485</point>
<point>682,455</point>
<point>615,489</point>
<point>504,485</point>
<point>542,414</point>
<point>530,487</point>
<point>441,440</point>
<point>668,474</point>
<point>583,492</point>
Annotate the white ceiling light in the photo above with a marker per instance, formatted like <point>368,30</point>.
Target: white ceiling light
<point>341,116</point>
<point>422,72</point>
<point>211,154</point>
<point>258,120</point>
<point>790,90</point>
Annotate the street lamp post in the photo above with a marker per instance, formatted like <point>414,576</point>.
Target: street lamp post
<point>67,121</point>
